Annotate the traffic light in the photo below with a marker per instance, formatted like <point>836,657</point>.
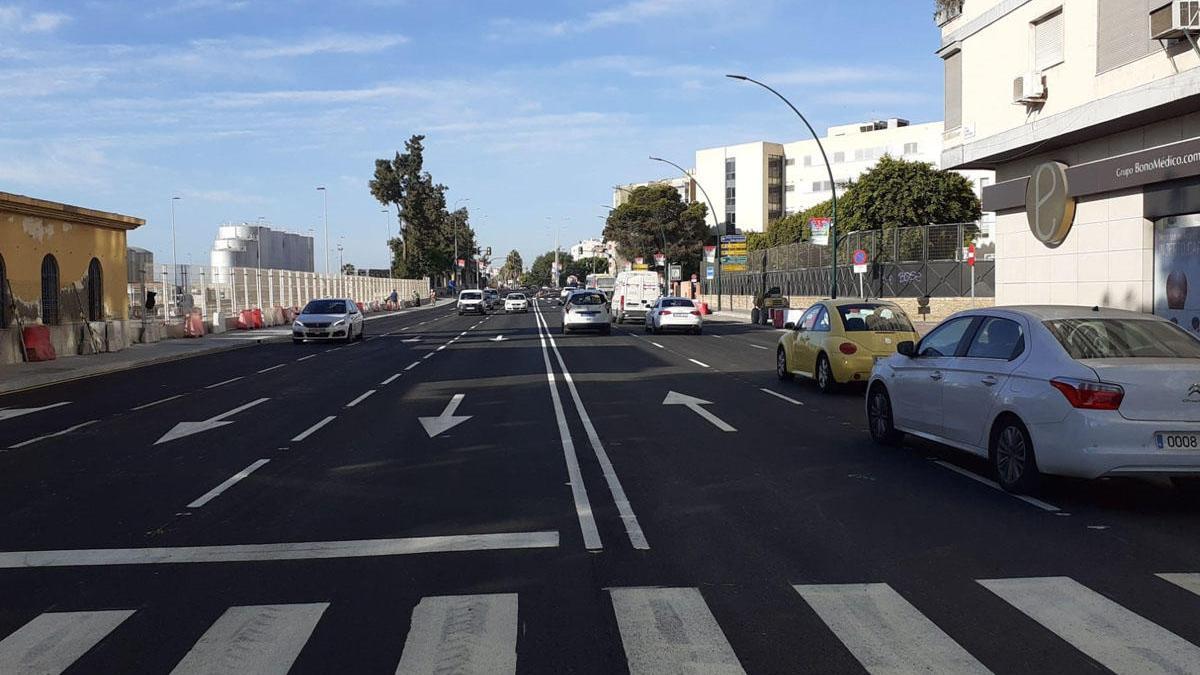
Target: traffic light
<point>488,252</point>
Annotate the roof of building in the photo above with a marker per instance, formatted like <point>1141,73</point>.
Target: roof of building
<point>42,208</point>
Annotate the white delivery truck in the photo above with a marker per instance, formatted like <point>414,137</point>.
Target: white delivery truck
<point>634,294</point>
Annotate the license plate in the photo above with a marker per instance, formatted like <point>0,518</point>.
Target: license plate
<point>1177,441</point>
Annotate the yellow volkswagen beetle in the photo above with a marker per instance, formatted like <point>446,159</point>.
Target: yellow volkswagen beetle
<point>838,341</point>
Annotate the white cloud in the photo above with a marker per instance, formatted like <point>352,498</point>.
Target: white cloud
<point>630,12</point>
<point>183,6</point>
<point>328,44</point>
<point>16,18</point>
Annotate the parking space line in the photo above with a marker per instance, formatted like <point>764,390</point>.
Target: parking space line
<point>699,363</point>
<point>313,429</point>
<point>390,379</point>
<point>229,482</point>
<point>64,432</point>
<point>154,403</point>
<point>233,379</point>
<point>780,396</point>
<point>360,399</point>
<point>996,486</point>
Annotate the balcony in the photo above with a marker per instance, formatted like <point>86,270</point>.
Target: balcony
<point>946,11</point>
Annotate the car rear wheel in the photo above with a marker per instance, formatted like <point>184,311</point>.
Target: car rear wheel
<point>825,381</point>
<point>1013,458</point>
<point>879,417</point>
<point>781,367</point>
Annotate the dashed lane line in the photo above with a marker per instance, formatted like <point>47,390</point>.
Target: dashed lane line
<point>360,399</point>
<point>305,358</point>
<point>700,363</point>
<point>780,396</point>
<point>229,482</point>
<point>154,403</point>
<point>390,379</point>
<point>219,384</point>
<point>64,432</point>
<point>658,345</point>
<point>412,365</point>
<point>267,370</point>
<point>313,429</point>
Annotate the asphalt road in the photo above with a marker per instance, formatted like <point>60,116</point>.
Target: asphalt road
<point>486,495</point>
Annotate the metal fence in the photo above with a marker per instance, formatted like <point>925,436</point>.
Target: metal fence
<point>904,262</point>
<point>230,290</point>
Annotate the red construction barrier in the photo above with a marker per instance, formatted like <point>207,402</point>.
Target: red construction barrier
<point>37,344</point>
<point>245,320</point>
<point>777,316</point>
<point>704,309</point>
<point>256,315</point>
<point>193,325</point>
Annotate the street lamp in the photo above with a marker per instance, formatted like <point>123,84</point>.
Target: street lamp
<point>325,203</point>
<point>456,203</point>
<point>833,280</point>
<point>174,255</point>
<point>716,223</point>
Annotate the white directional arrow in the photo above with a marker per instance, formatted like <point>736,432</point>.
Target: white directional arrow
<point>499,338</point>
<point>10,413</point>
<point>675,398</point>
<point>447,420</point>
<point>188,428</point>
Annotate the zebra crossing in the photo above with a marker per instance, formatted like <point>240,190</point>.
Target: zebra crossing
<point>662,630</point>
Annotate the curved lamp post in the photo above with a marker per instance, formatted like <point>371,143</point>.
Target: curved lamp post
<point>833,280</point>
<point>716,223</point>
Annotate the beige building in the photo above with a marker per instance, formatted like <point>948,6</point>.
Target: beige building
<point>1088,112</point>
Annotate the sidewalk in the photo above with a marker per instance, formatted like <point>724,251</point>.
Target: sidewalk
<point>19,376</point>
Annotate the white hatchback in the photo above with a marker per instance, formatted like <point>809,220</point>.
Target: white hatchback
<point>1072,391</point>
<point>586,310</point>
<point>516,302</point>
<point>670,313</point>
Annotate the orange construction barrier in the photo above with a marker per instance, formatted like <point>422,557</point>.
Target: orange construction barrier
<point>37,343</point>
<point>193,325</point>
<point>704,309</point>
<point>777,316</point>
<point>245,320</point>
<point>256,314</point>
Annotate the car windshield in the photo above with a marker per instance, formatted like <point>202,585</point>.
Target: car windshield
<point>677,302</point>
<point>516,296</point>
<point>325,307</point>
<point>474,295</point>
<point>586,299</point>
<point>873,317</point>
<point>1123,338</point>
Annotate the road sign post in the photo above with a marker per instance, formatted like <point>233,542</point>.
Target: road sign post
<point>860,258</point>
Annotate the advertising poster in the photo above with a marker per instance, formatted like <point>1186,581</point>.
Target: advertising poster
<point>1177,271</point>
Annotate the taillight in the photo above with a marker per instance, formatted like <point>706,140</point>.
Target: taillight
<point>1089,395</point>
<point>694,312</point>
<point>665,312</point>
<point>848,348</point>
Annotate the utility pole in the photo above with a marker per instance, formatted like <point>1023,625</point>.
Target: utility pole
<point>325,202</point>
<point>174,255</point>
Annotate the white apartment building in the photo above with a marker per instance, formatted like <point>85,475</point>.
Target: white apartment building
<point>1088,112</point>
<point>754,184</point>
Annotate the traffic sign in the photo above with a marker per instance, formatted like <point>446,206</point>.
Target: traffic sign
<point>971,255</point>
<point>710,254</point>
<point>660,259</point>
<point>695,278</point>
<point>859,257</point>
<point>709,272</point>
<point>733,252</point>
<point>639,261</point>
<point>462,262</point>
<point>676,272</point>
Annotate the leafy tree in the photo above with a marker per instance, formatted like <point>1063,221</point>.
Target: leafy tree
<point>655,219</point>
<point>899,193</point>
<point>584,266</point>
<point>513,266</point>
<point>539,271</point>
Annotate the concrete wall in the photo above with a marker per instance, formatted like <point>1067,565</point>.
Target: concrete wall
<point>32,228</point>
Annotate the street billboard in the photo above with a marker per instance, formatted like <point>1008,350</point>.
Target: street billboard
<point>820,230</point>
<point>733,253</point>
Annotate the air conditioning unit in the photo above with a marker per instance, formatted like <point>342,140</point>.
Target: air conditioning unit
<point>1029,88</point>
<point>1175,20</point>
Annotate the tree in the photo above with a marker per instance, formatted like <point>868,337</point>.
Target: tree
<point>539,271</point>
<point>513,266</point>
<point>899,193</point>
<point>584,266</point>
<point>655,219</point>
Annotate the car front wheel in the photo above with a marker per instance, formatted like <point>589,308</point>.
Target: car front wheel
<point>781,366</point>
<point>1013,458</point>
<point>879,417</point>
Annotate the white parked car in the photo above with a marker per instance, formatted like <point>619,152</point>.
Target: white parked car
<point>586,309</point>
<point>671,313</point>
<point>516,302</point>
<point>1072,391</point>
<point>328,319</point>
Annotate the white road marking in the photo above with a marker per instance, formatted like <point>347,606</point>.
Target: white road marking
<point>305,358</point>
<point>996,486</point>
<point>583,506</point>
<point>262,639</point>
<point>885,632</point>
<point>406,328</point>
<point>64,432</point>
<point>412,365</point>
<point>154,403</point>
<point>671,630</point>
<point>441,348</point>
<point>391,379</point>
<point>188,428</point>
<point>1189,582</point>
<point>333,350</point>
<point>781,396</point>
<point>462,634</point>
<point>53,641</point>
<point>267,370</point>
<point>694,404</point>
<point>633,528</point>
<point>765,349</point>
<point>447,420</point>
<point>308,550</point>
<point>219,384</point>
<point>699,363</point>
<point>313,429</point>
<point>9,413</point>
<point>427,356</point>
<point>228,483</point>
<point>1120,640</point>
<point>719,337</point>
<point>655,344</point>
<point>360,399</point>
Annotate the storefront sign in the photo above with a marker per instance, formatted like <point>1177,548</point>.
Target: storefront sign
<point>1049,208</point>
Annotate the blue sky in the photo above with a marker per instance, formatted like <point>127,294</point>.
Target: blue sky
<point>532,110</point>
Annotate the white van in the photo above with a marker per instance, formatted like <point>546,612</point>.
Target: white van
<point>634,294</point>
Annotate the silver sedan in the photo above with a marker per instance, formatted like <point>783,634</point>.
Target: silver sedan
<point>328,319</point>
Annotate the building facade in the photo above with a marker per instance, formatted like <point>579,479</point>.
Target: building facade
<point>1087,111</point>
<point>259,246</point>
<point>60,266</point>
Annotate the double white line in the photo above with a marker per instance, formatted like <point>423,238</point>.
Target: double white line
<point>583,508</point>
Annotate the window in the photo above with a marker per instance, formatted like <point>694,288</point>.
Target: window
<point>1048,41</point>
<point>49,290</point>
<point>808,160</point>
<point>953,69</point>
<point>810,318</point>
<point>822,186</point>
<point>822,323</point>
<point>873,317</point>
<point>839,157</point>
<point>1121,35</point>
<point>790,187</point>
<point>910,148</point>
<point>944,339</point>
<point>997,339</point>
<point>1123,338</point>
<point>676,302</point>
<point>95,291</point>
<point>790,161</point>
<point>730,169</point>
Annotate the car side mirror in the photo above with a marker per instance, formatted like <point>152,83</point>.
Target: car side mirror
<point>790,325</point>
<point>907,348</point>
